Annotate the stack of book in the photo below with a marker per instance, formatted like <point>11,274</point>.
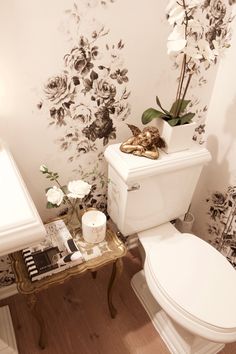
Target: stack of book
<point>56,253</point>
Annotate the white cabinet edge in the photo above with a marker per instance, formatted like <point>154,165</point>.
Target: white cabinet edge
<point>24,231</point>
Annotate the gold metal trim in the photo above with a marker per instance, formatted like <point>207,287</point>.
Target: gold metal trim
<point>26,286</point>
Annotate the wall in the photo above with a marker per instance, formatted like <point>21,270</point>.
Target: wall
<point>72,74</point>
<point>34,44</point>
<point>214,200</point>
<point>40,68</point>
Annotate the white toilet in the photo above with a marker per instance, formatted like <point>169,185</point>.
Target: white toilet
<point>187,287</point>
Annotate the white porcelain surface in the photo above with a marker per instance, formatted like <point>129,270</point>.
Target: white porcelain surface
<point>189,289</point>
<point>196,277</point>
<point>177,339</point>
<point>143,193</point>
<point>130,167</point>
<point>189,279</point>
<point>94,226</point>
<point>20,224</point>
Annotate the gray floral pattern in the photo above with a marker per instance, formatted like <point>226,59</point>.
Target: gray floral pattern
<point>215,17</point>
<point>92,3</point>
<point>88,100</point>
<point>85,101</point>
<point>90,97</point>
<point>222,223</point>
<point>6,274</point>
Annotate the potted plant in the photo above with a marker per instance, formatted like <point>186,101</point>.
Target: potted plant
<point>200,33</point>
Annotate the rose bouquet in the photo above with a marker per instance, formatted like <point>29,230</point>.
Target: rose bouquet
<point>72,194</point>
<point>200,33</point>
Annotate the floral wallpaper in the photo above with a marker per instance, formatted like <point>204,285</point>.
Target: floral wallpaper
<point>90,96</point>
<point>87,102</point>
<point>222,222</point>
<point>6,274</point>
<point>210,28</point>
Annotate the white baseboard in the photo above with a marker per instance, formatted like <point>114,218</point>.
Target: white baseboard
<point>7,334</point>
<point>7,291</point>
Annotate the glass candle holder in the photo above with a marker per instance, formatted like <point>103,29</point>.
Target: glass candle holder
<point>94,226</point>
<point>73,220</point>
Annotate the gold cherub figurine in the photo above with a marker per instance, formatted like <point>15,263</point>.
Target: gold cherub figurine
<point>143,143</point>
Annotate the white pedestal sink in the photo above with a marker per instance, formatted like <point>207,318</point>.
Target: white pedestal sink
<point>20,227</point>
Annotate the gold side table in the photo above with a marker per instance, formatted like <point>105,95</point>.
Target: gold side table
<point>30,289</point>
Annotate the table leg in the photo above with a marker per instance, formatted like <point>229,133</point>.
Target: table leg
<point>116,272</point>
<point>32,304</point>
<point>94,274</point>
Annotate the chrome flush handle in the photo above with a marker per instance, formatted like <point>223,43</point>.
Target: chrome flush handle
<point>134,187</point>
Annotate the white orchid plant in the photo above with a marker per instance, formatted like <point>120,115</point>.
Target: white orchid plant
<point>200,33</point>
<point>71,194</point>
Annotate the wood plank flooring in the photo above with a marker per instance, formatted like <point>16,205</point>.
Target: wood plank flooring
<point>78,322</point>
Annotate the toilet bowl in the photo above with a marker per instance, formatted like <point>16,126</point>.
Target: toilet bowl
<point>187,287</point>
<point>193,283</point>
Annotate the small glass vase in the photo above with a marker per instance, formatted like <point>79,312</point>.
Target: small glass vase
<point>73,220</point>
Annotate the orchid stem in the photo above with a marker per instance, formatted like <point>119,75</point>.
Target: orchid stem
<point>180,87</point>
<point>186,89</point>
<point>183,71</point>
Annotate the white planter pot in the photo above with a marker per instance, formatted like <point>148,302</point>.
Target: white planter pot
<point>177,138</point>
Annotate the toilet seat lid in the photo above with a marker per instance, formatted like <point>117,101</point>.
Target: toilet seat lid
<point>196,277</point>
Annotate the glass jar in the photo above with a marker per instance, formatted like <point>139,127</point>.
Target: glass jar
<point>73,220</point>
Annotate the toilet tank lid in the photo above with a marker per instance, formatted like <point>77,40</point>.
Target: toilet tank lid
<point>131,167</point>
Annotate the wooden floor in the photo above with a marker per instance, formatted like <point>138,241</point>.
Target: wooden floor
<point>78,321</point>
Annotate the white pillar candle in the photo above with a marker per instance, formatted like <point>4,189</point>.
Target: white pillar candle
<point>94,226</point>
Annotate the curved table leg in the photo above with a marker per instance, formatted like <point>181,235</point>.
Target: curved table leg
<point>94,274</point>
<point>32,304</point>
<point>116,272</point>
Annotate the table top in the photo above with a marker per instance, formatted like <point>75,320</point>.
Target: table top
<point>115,249</point>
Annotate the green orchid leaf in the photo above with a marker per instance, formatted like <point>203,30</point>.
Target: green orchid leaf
<point>173,122</point>
<point>150,114</point>
<point>159,104</point>
<point>186,118</point>
<point>50,205</point>
<point>167,117</point>
<point>177,104</point>
<point>184,105</point>
<point>174,106</point>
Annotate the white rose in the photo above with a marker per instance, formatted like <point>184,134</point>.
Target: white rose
<point>55,195</point>
<point>43,168</point>
<point>78,189</point>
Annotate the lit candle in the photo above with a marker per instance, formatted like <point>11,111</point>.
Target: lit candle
<point>94,226</point>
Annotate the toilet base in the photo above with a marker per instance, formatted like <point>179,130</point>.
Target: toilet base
<point>177,339</point>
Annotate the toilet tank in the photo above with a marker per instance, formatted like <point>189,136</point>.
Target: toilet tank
<point>143,193</point>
